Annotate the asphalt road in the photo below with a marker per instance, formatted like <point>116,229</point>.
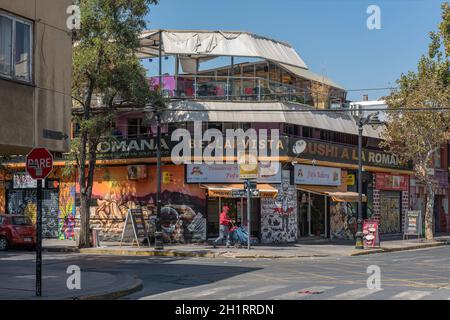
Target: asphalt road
<point>419,274</point>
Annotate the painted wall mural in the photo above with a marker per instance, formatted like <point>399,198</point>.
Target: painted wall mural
<point>183,214</point>
<point>66,217</point>
<point>342,221</point>
<point>279,215</point>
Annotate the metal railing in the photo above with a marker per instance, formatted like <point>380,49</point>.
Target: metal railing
<point>188,86</point>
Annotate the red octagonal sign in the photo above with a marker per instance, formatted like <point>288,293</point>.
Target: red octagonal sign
<point>39,163</point>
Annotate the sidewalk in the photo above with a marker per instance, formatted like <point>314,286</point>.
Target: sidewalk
<point>17,282</point>
<point>324,248</point>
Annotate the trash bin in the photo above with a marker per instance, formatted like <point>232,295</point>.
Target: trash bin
<point>76,233</point>
<point>95,237</point>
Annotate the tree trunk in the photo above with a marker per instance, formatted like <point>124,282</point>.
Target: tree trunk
<point>84,221</point>
<point>429,216</point>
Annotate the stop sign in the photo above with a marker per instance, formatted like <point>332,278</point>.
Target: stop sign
<point>39,163</point>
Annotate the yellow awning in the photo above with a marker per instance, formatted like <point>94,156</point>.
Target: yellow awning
<point>225,190</point>
<point>334,193</point>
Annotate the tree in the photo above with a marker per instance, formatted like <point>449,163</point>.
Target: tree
<point>105,70</point>
<point>415,135</point>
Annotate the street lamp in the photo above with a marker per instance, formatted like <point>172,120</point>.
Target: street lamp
<point>361,121</point>
<point>154,113</point>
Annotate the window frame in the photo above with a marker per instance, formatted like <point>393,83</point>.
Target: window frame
<point>12,76</point>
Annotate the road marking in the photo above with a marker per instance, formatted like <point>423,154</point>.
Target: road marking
<point>253,292</point>
<point>355,294</point>
<point>296,294</point>
<point>411,295</point>
<point>213,291</point>
<point>189,292</point>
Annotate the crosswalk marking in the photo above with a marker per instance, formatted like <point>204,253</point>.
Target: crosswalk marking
<point>411,295</point>
<point>190,292</point>
<point>301,293</point>
<point>213,291</point>
<point>253,292</point>
<point>269,291</point>
<point>355,294</point>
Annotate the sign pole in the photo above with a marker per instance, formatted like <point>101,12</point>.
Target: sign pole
<point>39,164</point>
<point>248,213</point>
<point>39,238</point>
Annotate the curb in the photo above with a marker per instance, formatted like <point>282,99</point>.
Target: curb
<point>61,249</point>
<point>194,254</point>
<point>137,286</point>
<point>171,253</point>
<point>155,253</point>
<point>415,247</point>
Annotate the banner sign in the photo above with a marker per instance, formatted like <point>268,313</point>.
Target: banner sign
<point>315,175</point>
<point>334,152</point>
<point>229,173</point>
<point>371,235</point>
<point>24,181</point>
<point>387,181</point>
<point>413,223</point>
<point>305,148</point>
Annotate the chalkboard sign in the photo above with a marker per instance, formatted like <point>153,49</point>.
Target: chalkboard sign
<point>135,229</point>
<point>412,224</point>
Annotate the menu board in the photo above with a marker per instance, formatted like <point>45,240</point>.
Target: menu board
<point>371,235</point>
<point>413,223</point>
<point>135,229</point>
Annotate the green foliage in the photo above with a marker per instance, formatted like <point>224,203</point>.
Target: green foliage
<point>416,135</point>
<point>106,72</point>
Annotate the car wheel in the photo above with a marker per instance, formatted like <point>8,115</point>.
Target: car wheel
<point>3,244</point>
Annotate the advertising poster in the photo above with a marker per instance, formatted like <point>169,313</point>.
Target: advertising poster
<point>413,223</point>
<point>371,235</point>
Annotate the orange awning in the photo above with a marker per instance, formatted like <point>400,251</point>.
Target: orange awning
<point>225,190</point>
<point>334,193</point>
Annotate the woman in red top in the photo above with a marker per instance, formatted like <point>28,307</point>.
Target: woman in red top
<point>224,231</point>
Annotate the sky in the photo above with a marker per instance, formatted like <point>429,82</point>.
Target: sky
<point>331,36</point>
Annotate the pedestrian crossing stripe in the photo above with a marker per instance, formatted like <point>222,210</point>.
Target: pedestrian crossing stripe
<point>237,292</point>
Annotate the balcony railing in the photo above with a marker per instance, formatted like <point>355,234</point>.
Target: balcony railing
<point>241,88</point>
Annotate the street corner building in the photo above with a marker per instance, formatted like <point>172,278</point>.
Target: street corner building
<point>310,191</point>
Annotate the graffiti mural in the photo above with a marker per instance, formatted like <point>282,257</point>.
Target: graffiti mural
<point>66,217</point>
<point>342,221</point>
<point>23,201</point>
<point>279,215</point>
<point>114,193</point>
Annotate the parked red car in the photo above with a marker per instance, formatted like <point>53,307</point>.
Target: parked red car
<point>15,231</point>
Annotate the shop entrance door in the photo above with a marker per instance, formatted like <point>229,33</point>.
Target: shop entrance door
<point>437,213</point>
<point>317,214</point>
<point>390,212</point>
<point>238,210</point>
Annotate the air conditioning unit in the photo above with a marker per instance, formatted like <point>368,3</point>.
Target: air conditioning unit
<point>137,172</point>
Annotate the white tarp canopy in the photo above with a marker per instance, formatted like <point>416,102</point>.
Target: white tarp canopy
<point>266,112</point>
<point>193,46</point>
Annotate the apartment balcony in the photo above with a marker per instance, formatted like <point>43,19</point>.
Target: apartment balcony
<point>201,87</point>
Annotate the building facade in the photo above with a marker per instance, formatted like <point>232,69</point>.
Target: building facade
<point>310,191</point>
<point>35,75</point>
